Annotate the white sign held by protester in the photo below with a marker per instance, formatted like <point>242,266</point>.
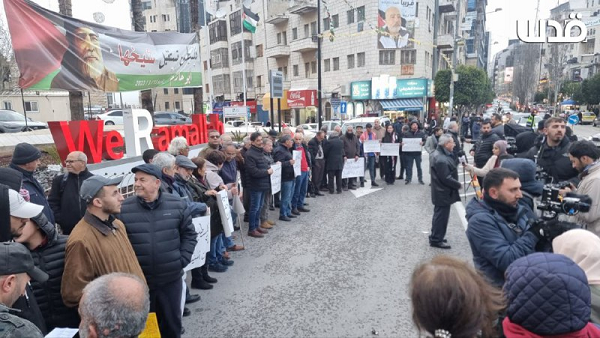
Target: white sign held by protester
<point>202,226</point>
<point>276,178</point>
<point>354,168</point>
<point>390,149</point>
<point>225,211</point>
<point>297,162</point>
<point>411,144</point>
<point>371,146</point>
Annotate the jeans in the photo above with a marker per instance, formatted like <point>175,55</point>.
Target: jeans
<point>285,205</point>
<point>416,157</point>
<point>215,255</point>
<point>371,167</point>
<point>256,202</point>
<point>226,241</point>
<point>300,190</point>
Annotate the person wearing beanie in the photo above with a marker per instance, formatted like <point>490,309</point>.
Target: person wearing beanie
<point>26,160</point>
<point>530,187</point>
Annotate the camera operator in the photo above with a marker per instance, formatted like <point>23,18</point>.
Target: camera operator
<point>498,231</point>
<point>552,153</point>
<point>584,156</point>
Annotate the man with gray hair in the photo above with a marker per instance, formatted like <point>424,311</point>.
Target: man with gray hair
<point>179,146</point>
<point>114,305</point>
<point>453,131</point>
<point>64,200</point>
<point>444,189</point>
<point>165,162</point>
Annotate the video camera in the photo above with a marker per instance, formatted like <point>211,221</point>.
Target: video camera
<point>511,145</point>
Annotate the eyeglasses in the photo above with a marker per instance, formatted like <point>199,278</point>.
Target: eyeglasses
<point>214,136</point>
<point>72,161</point>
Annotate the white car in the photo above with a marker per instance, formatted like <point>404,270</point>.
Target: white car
<point>362,121</point>
<point>113,117</point>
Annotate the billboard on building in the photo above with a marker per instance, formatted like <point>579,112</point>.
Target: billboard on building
<point>59,52</point>
<point>396,23</point>
<point>508,74</point>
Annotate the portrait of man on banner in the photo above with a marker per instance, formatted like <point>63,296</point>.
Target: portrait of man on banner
<point>82,64</point>
<point>396,24</point>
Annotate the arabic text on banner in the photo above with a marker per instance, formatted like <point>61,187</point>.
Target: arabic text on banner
<point>225,211</point>
<point>354,168</point>
<point>276,178</point>
<point>371,146</point>
<point>298,162</point>
<point>411,144</point>
<point>202,226</point>
<point>59,52</point>
<point>390,149</point>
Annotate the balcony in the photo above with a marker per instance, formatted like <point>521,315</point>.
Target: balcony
<point>279,51</point>
<point>278,19</point>
<point>447,6</point>
<point>445,41</point>
<point>303,7</point>
<point>303,45</point>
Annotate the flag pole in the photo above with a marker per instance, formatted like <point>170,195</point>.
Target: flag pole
<point>244,67</point>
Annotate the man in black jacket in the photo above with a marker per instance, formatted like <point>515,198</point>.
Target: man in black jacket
<point>482,150</point>
<point>258,183</point>
<point>283,154</point>
<point>413,156</point>
<point>159,226</point>
<point>64,198</point>
<point>444,189</point>
<point>315,147</point>
<point>351,153</point>
<point>334,154</point>
<point>552,154</point>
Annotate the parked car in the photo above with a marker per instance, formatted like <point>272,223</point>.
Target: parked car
<point>596,122</point>
<point>168,118</point>
<point>595,139</point>
<point>234,123</point>
<point>111,118</point>
<point>13,122</point>
<point>313,127</point>
<point>587,117</point>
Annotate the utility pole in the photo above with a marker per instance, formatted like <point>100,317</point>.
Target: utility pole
<point>454,58</point>
<point>436,27</point>
<point>319,89</point>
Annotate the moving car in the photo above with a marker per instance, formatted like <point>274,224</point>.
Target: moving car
<point>111,118</point>
<point>587,117</point>
<point>596,121</point>
<point>169,118</point>
<point>13,122</point>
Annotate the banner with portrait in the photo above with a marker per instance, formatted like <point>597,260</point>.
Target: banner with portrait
<point>54,51</point>
<point>396,24</point>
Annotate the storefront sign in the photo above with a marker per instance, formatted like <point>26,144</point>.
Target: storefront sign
<point>250,104</point>
<point>407,70</point>
<point>411,88</point>
<point>301,98</point>
<point>361,90</point>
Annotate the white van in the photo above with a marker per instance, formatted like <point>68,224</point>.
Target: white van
<point>362,121</point>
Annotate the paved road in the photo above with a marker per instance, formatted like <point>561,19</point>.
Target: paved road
<point>341,270</point>
<point>585,131</point>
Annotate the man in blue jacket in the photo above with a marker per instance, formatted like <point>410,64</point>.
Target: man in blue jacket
<point>498,231</point>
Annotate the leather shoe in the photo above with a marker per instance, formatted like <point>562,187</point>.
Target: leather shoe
<point>266,225</point>
<point>421,182</point>
<point>441,245</point>
<point>339,192</point>
<point>295,212</point>
<point>313,195</point>
<point>331,191</point>
<point>192,299</point>
<point>271,222</point>
<point>255,234</point>
<point>291,216</point>
<point>262,231</point>
<point>407,182</point>
<point>227,262</point>
<point>373,184</point>
<point>218,267</point>
<point>235,248</point>
<point>302,209</point>
<point>318,194</point>
<point>285,219</point>
<point>186,312</point>
<point>201,284</point>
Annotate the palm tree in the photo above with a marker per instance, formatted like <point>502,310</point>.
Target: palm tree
<point>75,97</point>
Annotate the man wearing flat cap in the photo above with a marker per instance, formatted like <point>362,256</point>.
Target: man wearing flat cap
<point>159,225</point>
<point>98,244</point>
<point>183,172</point>
<point>16,269</point>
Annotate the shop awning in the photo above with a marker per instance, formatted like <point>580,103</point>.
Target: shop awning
<point>402,104</point>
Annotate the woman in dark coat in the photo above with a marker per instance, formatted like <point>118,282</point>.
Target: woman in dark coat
<point>389,137</point>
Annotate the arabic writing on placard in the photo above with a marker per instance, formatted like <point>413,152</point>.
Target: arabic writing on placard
<point>202,226</point>
<point>276,178</point>
<point>298,162</point>
<point>354,168</point>
<point>390,149</point>
<point>371,146</point>
<point>411,144</point>
<point>225,211</point>
<point>527,33</point>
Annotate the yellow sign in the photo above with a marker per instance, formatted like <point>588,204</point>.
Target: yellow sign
<point>151,330</point>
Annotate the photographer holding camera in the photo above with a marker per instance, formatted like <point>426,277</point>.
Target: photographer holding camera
<point>584,156</point>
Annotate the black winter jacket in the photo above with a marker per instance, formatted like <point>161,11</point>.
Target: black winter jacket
<point>444,178</point>
<point>334,153</point>
<point>284,155</point>
<point>483,148</point>
<point>256,167</point>
<point>418,134</point>
<point>64,196</point>
<point>555,161</point>
<point>36,191</point>
<point>162,235</point>
<point>313,148</point>
<point>199,187</point>
<point>50,258</point>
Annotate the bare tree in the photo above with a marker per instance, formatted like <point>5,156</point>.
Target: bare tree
<point>75,97</point>
<point>8,66</point>
<point>524,83</point>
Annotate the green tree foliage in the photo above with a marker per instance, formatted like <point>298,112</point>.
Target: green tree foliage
<point>442,85</point>
<point>473,87</point>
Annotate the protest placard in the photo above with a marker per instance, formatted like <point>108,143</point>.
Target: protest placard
<point>298,161</point>
<point>411,144</point>
<point>390,149</point>
<point>276,178</point>
<point>202,226</point>
<point>354,168</point>
<point>225,211</point>
<point>371,146</point>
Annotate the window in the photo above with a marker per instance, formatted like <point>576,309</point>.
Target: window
<point>294,33</point>
<point>360,59</point>
<point>31,106</point>
<point>177,105</point>
<point>285,73</point>
<point>151,18</point>
<point>326,24</point>
<point>219,58</point>
<point>176,91</point>
<point>408,57</point>
<point>306,31</point>
<point>427,58</point>
<point>336,63</point>
<point>221,84</point>
<point>295,70</point>
<point>7,105</point>
<point>259,50</point>
<point>235,23</point>
<point>188,91</point>
<point>313,67</point>
<point>236,51</point>
<point>284,35</point>
<point>307,70</point>
<point>335,21</point>
<point>350,15</point>
<point>259,81</point>
<point>146,5</point>
<point>327,64</point>
<point>116,113</point>
<point>167,105</point>
<point>360,14</point>
<point>279,38</point>
<point>217,31</point>
<point>166,91</point>
<point>351,61</point>
<point>313,28</point>
<point>387,57</point>
<point>166,17</point>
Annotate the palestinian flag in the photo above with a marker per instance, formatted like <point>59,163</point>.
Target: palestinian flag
<point>250,20</point>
